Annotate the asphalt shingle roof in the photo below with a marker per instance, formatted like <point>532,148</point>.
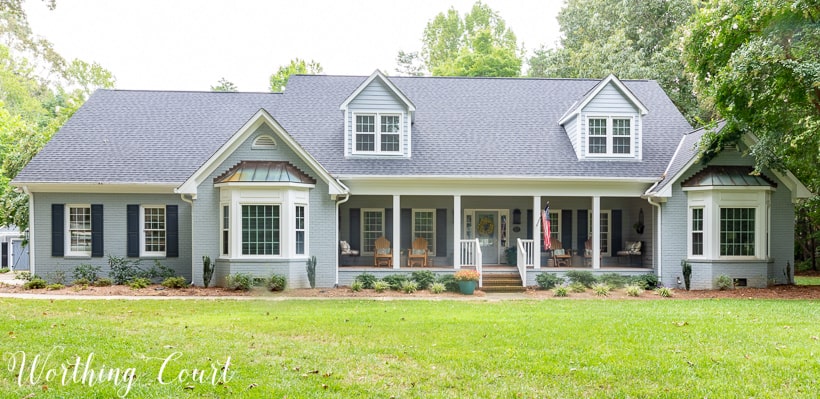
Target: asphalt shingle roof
<point>462,126</point>
<point>687,152</point>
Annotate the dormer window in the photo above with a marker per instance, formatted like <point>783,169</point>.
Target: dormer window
<point>377,133</point>
<point>609,136</point>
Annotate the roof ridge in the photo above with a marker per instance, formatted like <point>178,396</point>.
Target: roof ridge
<point>187,91</point>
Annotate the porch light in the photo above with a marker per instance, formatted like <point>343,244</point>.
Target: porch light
<point>517,216</point>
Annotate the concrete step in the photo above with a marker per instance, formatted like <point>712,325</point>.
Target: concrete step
<point>503,289</point>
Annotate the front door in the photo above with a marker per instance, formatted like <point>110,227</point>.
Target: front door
<point>487,230</point>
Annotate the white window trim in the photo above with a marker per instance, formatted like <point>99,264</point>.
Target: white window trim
<point>222,229</point>
<point>555,233</point>
<point>361,227</point>
<point>143,252</point>
<point>431,243</point>
<point>306,229</point>
<point>610,136</point>
<point>377,146</point>
<point>712,199</point>
<point>607,212</point>
<point>67,215</point>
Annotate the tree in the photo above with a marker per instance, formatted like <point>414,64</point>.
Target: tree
<point>224,85</point>
<point>759,64</point>
<point>479,44</point>
<point>632,39</point>
<point>279,80</point>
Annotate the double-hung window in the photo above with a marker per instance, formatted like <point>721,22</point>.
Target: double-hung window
<point>697,231</point>
<point>153,231</point>
<point>226,229</point>
<point>372,228</point>
<point>79,230</point>
<point>424,225</point>
<point>604,232</point>
<point>300,231</point>
<point>609,136</point>
<point>260,230</point>
<point>377,133</point>
<point>555,225</point>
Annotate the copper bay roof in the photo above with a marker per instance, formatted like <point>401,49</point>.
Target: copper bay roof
<point>264,172</point>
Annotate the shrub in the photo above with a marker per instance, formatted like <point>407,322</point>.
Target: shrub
<point>600,289</point>
<point>366,279</point>
<point>122,269</point>
<point>613,280</point>
<point>35,283</point>
<point>548,280</point>
<point>409,287</point>
<point>239,282</point>
<point>560,290</point>
<point>356,286</point>
<point>724,282</point>
<point>104,282</point>
<point>634,290</point>
<point>139,282</point>
<point>423,278</point>
<point>449,282</point>
<point>381,286</point>
<point>395,281</point>
<point>581,276</point>
<point>577,287</point>
<point>54,287</point>
<point>207,271</point>
<point>25,276</point>
<point>277,282</point>
<point>645,281</point>
<point>4,270</point>
<point>158,272</point>
<point>175,282</point>
<point>665,292</point>
<point>58,277</point>
<point>437,288</point>
<point>86,271</point>
<point>81,282</point>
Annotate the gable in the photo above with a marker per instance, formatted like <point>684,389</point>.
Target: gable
<point>610,100</point>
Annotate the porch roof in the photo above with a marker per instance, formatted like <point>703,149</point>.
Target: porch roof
<point>264,172</point>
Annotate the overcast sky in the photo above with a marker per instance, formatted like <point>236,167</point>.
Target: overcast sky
<point>190,44</point>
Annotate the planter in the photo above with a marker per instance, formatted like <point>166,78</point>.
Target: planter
<point>467,287</point>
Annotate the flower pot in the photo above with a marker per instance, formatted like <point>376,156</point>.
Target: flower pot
<point>467,287</point>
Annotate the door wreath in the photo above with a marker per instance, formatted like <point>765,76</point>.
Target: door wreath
<point>485,226</point>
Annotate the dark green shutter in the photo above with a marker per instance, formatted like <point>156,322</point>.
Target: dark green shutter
<point>172,231</point>
<point>97,250</point>
<point>406,228</point>
<point>57,229</point>
<point>583,227</point>
<point>566,228</point>
<point>132,219</point>
<point>441,232</point>
<point>617,234</point>
<point>388,225</point>
<point>355,229</point>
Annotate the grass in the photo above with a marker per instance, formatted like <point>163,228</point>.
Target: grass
<point>423,349</point>
<point>807,280</point>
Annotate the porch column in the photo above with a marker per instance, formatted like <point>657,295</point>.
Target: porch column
<point>396,231</point>
<point>536,235</point>
<point>457,232</point>
<point>596,232</point>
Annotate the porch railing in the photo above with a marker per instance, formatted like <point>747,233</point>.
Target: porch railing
<point>526,256</point>
<point>470,255</point>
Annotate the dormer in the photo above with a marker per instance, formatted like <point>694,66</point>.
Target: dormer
<point>606,124</point>
<point>378,120</point>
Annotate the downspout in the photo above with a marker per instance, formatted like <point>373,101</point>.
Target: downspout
<point>30,239</point>
<point>191,202</point>
<point>338,203</point>
<point>659,234</point>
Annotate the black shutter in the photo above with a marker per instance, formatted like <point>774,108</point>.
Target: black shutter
<point>97,249</point>
<point>388,226</point>
<point>529,224</point>
<point>57,229</point>
<point>616,240</point>
<point>406,228</point>
<point>355,229</point>
<point>566,228</point>
<point>441,232</point>
<point>583,227</point>
<point>172,231</point>
<point>132,219</point>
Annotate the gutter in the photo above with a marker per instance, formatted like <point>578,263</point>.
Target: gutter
<point>659,234</point>
<point>338,203</point>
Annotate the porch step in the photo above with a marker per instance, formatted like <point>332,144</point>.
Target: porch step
<point>502,282</point>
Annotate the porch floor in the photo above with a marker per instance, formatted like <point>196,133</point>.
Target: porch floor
<point>498,268</point>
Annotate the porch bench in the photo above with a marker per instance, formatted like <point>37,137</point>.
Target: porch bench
<point>632,248</point>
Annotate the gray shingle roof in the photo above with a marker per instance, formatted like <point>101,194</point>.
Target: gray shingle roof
<point>462,126</point>
<point>687,152</point>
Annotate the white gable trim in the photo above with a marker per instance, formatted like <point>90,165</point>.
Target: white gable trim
<point>576,109</point>
<point>379,75</point>
<point>261,117</point>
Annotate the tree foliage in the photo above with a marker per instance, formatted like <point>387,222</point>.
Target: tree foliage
<point>224,85</point>
<point>479,44</point>
<point>279,80</point>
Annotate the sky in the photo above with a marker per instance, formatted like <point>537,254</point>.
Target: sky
<point>191,44</point>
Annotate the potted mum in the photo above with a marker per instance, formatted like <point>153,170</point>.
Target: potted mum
<point>467,280</point>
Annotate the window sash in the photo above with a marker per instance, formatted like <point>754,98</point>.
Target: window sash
<point>737,231</point>
<point>260,230</point>
<point>555,225</point>
<point>226,229</point>
<point>609,136</point>
<point>300,218</point>
<point>153,230</point>
<point>697,232</point>
<point>79,230</point>
<point>597,135</point>
<point>377,133</point>
<point>372,228</point>
<point>424,225</point>
<point>605,229</point>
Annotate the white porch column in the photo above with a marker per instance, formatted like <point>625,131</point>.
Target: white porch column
<point>536,234</point>
<point>457,232</point>
<point>396,231</point>
<point>596,232</point>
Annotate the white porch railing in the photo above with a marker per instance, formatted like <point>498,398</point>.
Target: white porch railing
<point>470,255</point>
<point>526,256</point>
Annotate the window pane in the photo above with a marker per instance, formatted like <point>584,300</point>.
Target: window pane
<point>154,229</point>
<point>371,229</point>
<point>390,142</point>
<point>697,231</point>
<point>79,226</point>
<point>365,142</point>
<point>225,229</point>
<point>365,133</point>
<point>424,226</point>
<point>737,231</point>
<point>597,127</point>
<point>300,230</point>
<point>365,124</point>
<point>390,124</point>
<point>555,226</point>
<point>260,230</point>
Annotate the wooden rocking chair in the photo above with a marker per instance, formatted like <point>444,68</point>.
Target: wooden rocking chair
<point>382,253</point>
<point>418,254</point>
<point>560,256</point>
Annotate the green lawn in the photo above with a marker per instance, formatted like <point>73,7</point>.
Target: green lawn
<point>807,280</point>
<point>417,349</point>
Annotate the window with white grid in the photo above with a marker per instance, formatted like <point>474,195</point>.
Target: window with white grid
<point>621,136</point>
<point>377,133</point>
<point>737,231</point>
<point>372,228</point>
<point>153,230</point>
<point>597,136</point>
<point>79,230</point>
<point>697,231</point>
<point>424,225</point>
<point>260,230</point>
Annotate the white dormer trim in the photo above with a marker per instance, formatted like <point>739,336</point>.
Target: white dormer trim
<point>261,117</point>
<point>384,79</point>
<point>575,110</point>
